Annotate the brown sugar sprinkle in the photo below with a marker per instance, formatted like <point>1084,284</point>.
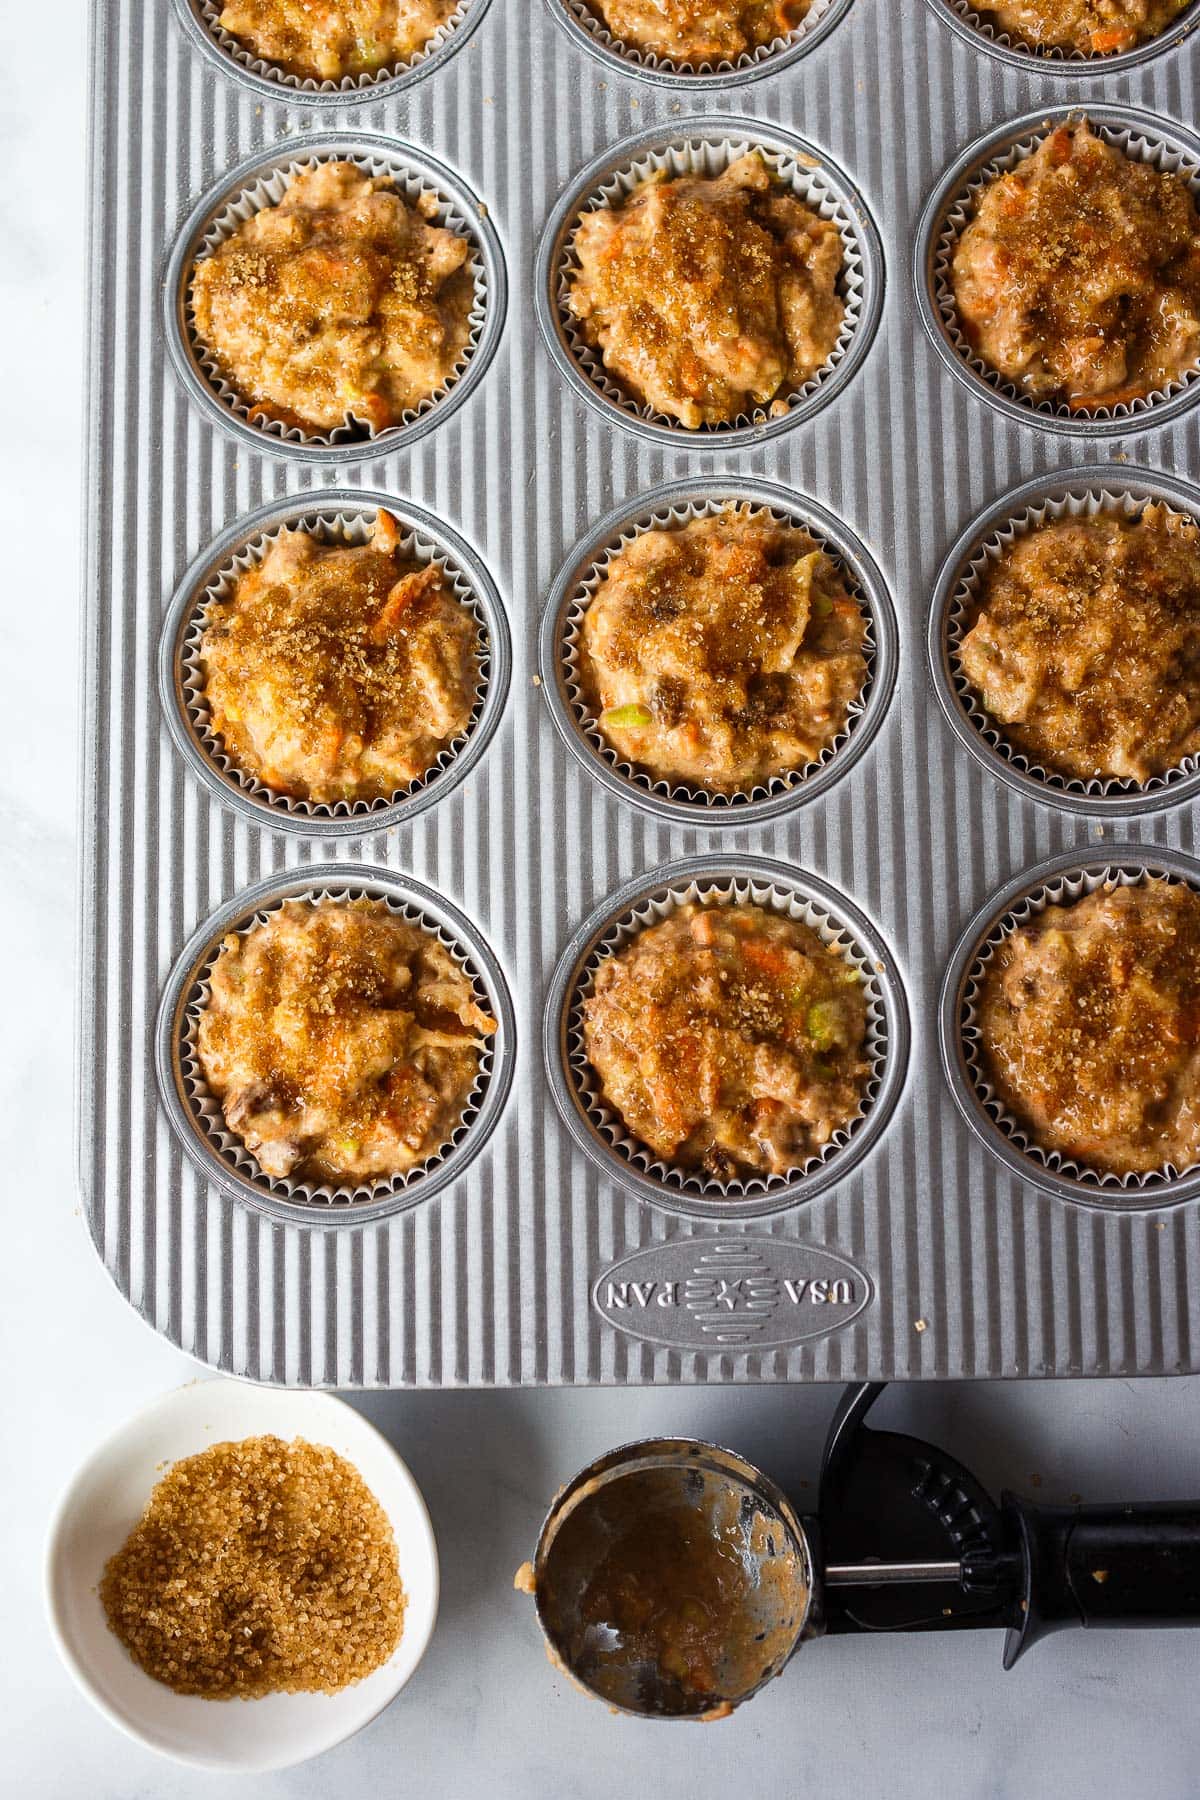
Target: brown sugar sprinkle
<point>258,1567</point>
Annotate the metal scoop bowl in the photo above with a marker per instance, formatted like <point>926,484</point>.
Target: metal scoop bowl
<point>672,1579</point>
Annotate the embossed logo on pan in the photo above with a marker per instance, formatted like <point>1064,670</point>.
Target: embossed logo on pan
<point>731,1293</point>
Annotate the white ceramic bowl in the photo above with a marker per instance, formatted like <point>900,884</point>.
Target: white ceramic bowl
<point>106,1499</point>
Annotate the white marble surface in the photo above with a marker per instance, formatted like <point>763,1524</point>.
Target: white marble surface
<point>485,1715</point>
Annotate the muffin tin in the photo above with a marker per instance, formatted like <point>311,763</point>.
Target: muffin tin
<point>503,1262</point>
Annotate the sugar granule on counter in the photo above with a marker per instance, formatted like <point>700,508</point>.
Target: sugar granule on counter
<point>258,1567</point>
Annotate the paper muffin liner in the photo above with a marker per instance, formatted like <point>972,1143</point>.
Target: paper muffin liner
<point>719,882</point>
<point>1063,882</point>
<point>197,1111</point>
<point>674,508</point>
<point>585,26</point>
<point>184,680</point>
<point>952,208</point>
<point>1067,499</point>
<point>263,183</point>
<point>203,18</point>
<point>706,147</point>
<point>1055,59</point>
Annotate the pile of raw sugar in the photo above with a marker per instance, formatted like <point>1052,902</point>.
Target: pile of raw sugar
<point>258,1567</point>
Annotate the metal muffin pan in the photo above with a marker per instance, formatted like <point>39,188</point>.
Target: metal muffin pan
<point>713,142</point>
<point>1065,877</point>
<point>950,205</point>
<point>645,901</point>
<point>587,31</point>
<point>1105,483</point>
<point>526,1267</point>
<point>678,501</point>
<point>974,30</point>
<point>185,713</point>
<point>195,1115</point>
<point>200,19</point>
<point>458,209</point>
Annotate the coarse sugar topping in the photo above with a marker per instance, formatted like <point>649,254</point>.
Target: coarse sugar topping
<point>259,1566</point>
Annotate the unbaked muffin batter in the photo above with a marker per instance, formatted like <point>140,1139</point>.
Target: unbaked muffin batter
<point>730,1039</point>
<point>342,303</point>
<point>1090,1024</point>
<point>1084,644</point>
<point>709,297</point>
<point>695,32</point>
<point>328,39</point>
<point>1078,279</point>
<point>722,652</point>
<point>337,671</point>
<point>341,1040</point>
<point>1093,27</point>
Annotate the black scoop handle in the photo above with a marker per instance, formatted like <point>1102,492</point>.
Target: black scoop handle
<point>1107,1566</point>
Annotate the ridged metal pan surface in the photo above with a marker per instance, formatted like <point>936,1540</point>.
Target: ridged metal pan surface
<point>952,1265</point>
